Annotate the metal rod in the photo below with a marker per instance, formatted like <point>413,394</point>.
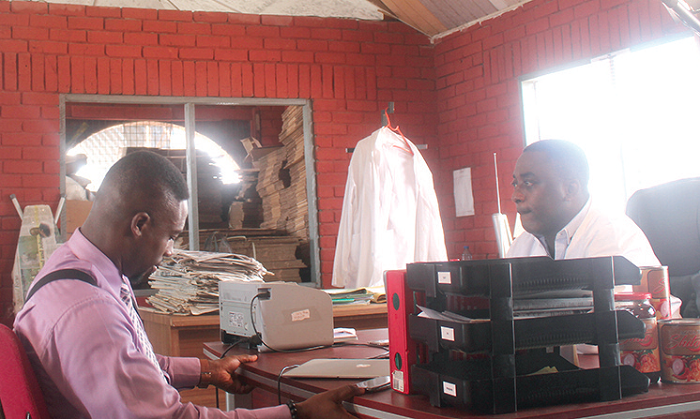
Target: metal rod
<point>13,197</point>
<point>498,194</point>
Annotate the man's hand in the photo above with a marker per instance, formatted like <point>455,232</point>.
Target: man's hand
<point>223,373</point>
<point>329,405</point>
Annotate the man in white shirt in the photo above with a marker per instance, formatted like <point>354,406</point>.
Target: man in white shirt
<point>551,195</point>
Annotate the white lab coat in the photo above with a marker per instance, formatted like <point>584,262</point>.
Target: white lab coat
<point>390,212</point>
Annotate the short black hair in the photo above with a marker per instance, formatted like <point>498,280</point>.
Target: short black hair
<point>148,174</point>
<point>569,159</point>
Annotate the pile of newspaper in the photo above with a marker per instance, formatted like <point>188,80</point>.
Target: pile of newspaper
<point>188,281</point>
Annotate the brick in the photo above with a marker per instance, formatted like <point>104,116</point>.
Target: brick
<point>178,40</point>
<point>265,55</point>
<point>229,54</point>
<point>66,9</point>
<point>48,47</point>
<point>224,81</point>
<point>28,7</point>
<point>175,15</point>
<point>88,23</point>
<point>159,27</point>
<point>194,28</point>
<point>105,37</point>
<point>33,98</point>
<point>246,19</point>
<point>141,39</point>
<point>297,57</point>
<point>90,75</point>
<point>212,79</point>
<point>139,14</point>
<point>312,45</point>
<point>330,58</point>
<point>200,78</point>
<point>21,139</point>
<point>128,76</point>
<point>228,30</point>
<point>124,51</point>
<point>13,45</point>
<point>326,33</point>
<point>276,20</point>
<point>103,11</point>
<point>64,74</point>
<point>160,52</point>
<point>196,53</point>
<point>140,77</point>
<point>262,31</point>
<point>235,80</point>
<point>153,80</point>
<point>115,77</point>
<point>40,153</point>
<point>295,32</point>
<point>68,35</point>
<point>123,25</point>
<point>177,78</point>
<point>102,78</point>
<point>22,166</point>
<point>247,87</point>
<point>259,83</point>
<point>210,17</point>
<point>206,41</point>
<point>189,78</point>
<point>86,50</point>
<point>164,78</point>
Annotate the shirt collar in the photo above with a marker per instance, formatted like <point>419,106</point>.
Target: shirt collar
<point>85,250</point>
<point>566,234</point>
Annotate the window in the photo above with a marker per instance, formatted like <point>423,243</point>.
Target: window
<point>634,113</point>
<point>104,148</point>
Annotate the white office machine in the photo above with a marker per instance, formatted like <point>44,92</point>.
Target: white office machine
<point>275,315</point>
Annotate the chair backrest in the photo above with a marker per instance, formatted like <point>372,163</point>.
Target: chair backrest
<point>20,393</point>
<point>669,215</point>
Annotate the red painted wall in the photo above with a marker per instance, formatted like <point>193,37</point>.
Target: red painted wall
<point>349,69</point>
<point>479,101</point>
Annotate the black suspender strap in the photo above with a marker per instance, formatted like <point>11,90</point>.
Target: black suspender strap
<point>61,274</point>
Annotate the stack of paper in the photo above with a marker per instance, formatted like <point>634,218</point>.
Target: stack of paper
<point>364,295</point>
<point>188,281</point>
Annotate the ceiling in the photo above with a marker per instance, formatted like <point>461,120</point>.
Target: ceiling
<point>434,18</point>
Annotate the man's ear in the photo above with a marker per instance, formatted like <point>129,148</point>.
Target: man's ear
<point>138,222</point>
<point>572,188</point>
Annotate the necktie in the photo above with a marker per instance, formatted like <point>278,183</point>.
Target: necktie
<point>144,343</point>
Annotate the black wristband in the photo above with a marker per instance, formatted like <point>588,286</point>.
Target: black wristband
<point>292,408</point>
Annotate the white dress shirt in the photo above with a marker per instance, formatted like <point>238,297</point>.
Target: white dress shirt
<point>390,213</point>
<point>591,233</point>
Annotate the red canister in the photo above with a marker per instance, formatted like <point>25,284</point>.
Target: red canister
<point>680,350</point>
<point>642,354</point>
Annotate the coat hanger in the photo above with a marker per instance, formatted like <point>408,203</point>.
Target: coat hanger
<point>397,130</point>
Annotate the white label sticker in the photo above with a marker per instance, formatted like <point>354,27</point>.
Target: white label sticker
<point>397,380</point>
<point>300,315</point>
<point>235,319</point>
<point>449,388</point>
<point>447,333</point>
<point>444,278</point>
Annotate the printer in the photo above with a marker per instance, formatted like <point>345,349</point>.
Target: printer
<point>275,316</point>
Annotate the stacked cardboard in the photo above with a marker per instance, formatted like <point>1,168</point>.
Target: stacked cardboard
<point>282,179</point>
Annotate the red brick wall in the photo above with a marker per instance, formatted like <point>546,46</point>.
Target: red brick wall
<point>479,101</point>
<point>349,69</point>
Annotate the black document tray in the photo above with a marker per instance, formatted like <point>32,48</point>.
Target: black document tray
<point>536,332</point>
<point>467,384</point>
<point>532,276</point>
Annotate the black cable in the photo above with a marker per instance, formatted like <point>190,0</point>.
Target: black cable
<point>279,381</point>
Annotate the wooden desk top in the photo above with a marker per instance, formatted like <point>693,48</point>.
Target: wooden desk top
<point>662,400</point>
<point>187,320</point>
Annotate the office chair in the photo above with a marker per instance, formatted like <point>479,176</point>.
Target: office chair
<point>669,215</point>
<point>20,395</point>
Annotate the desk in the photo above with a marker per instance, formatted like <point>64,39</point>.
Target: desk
<point>662,400</point>
<point>183,335</point>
